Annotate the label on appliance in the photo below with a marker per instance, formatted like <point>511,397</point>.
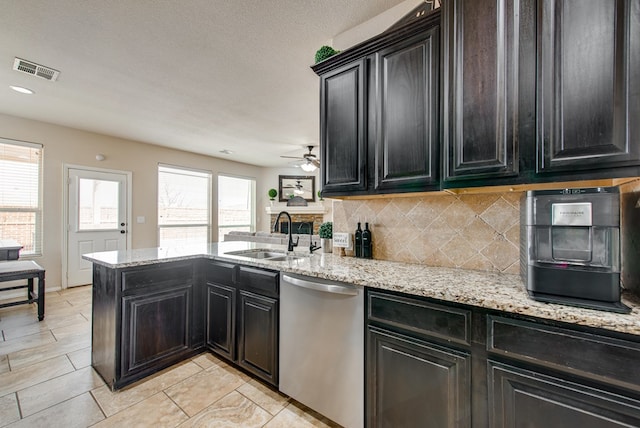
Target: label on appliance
<point>571,214</point>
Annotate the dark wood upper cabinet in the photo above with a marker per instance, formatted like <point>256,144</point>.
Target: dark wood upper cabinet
<point>588,84</point>
<point>379,113</point>
<point>407,137</point>
<point>342,128</point>
<point>481,130</point>
<point>496,92</point>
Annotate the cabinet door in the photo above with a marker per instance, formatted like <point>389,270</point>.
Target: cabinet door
<point>415,384</point>
<point>523,398</point>
<point>407,139</point>
<point>155,328</point>
<point>342,129</point>
<point>588,84</point>
<point>221,315</point>
<point>258,336</point>
<point>480,136</point>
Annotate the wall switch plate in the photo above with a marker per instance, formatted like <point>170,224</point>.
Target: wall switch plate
<point>342,240</point>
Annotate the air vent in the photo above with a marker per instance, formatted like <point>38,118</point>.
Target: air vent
<point>34,69</point>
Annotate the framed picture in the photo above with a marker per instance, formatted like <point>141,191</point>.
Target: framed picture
<point>297,185</point>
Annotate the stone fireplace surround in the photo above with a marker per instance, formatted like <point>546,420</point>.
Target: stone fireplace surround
<point>308,214</point>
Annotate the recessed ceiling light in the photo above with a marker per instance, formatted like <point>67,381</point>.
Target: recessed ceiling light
<point>22,89</point>
<point>226,152</point>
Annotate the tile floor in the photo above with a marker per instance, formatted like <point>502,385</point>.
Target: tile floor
<point>46,380</point>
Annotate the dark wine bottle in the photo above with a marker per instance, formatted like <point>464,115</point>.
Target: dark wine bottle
<point>358,243</point>
<point>367,242</point>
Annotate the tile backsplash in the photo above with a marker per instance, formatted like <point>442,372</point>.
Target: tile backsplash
<point>474,231</point>
<point>630,235</point>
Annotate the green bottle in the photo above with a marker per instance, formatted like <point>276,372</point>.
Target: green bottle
<point>358,243</point>
<point>367,242</point>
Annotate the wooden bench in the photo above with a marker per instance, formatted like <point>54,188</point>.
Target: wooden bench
<point>24,269</point>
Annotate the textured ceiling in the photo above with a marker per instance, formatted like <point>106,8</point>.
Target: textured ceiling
<point>197,75</point>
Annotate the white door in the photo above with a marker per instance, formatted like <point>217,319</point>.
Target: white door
<point>97,219</point>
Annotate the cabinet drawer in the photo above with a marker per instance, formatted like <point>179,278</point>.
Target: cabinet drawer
<point>158,276</point>
<point>261,281</point>
<point>417,316</point>
<point>219,273</point>
<point>588,355</point>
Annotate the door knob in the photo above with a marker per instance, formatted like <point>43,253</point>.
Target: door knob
<point>121,224</point>
<point>122,231</point>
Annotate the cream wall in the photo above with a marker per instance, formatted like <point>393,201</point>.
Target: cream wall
<point>64,145</point>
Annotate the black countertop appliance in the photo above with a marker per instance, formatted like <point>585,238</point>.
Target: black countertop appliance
<point>570,247</point>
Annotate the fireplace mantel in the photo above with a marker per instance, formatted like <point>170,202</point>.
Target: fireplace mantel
<point>310,209</point>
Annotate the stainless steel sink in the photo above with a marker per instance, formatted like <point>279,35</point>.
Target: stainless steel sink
<point>260,254</point>
<point>284,258</point>
<point>271,255</point>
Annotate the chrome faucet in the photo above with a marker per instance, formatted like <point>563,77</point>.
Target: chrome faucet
<point>291,244</point>
<point>312,245</point>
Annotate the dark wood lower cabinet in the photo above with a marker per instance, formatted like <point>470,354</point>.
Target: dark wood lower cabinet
<point>526,398</point>
<point>436,364</point>
<point>258,335</point>
<point>155,327</point>
<point>221,314</point>
<point>242,317</point>
<point>412,383</point>
<point>145,318</point>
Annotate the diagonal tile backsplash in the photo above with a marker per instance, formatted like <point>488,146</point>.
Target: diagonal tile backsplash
<point>478,231</point>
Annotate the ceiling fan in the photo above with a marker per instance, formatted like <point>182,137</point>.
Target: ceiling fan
<point>309,161</point>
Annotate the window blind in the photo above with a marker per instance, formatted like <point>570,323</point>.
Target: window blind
<point>21,194</point>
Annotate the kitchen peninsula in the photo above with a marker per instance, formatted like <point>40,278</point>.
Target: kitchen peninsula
<point>486,321</point>
<point>503,292</point>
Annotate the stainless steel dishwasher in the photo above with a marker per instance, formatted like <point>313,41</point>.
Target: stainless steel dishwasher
<point>322,346</point>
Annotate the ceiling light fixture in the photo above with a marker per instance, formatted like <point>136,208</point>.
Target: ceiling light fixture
<point>22,90</point>
<point>308,167</point>
<point>226,152</point>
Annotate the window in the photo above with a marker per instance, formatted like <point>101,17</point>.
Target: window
<point>21,194</point>
<point>236,199</point>
<point>183,206</point>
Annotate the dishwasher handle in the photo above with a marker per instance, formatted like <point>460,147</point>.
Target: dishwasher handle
<point>349,290</point>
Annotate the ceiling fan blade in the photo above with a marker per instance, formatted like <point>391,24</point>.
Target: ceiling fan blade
<point>291,157</point>
<point>316,162</point>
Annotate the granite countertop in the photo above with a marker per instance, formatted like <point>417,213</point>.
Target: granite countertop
<point>503,292</point>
